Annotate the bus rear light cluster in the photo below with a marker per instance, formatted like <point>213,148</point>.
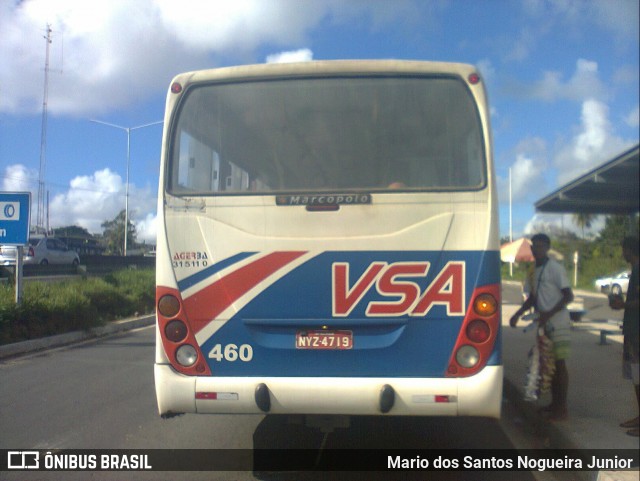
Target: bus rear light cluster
<point>478,334</point>
<point>178,336</point>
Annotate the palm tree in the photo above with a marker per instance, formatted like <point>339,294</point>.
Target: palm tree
<point>583,220</point>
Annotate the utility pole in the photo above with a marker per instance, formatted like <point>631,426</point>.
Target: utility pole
<point>126,196</point>
<point>40,217</point>
<point>510,222</point>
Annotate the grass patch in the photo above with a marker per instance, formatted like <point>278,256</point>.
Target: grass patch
<point>56,308</point>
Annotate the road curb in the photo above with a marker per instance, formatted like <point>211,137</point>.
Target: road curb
<point>33,345</point>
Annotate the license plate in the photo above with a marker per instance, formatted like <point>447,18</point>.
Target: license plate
<point>339,340</point>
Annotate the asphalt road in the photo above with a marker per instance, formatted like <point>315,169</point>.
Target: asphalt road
<point>100,395</point>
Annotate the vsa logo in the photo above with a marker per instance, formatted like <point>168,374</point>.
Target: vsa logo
<point>395,282</point>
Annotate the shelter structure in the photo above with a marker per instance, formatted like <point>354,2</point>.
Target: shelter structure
<point>611,188</point>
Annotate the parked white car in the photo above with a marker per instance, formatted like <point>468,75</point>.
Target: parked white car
<point>615,284</point>
<point>41,250</point>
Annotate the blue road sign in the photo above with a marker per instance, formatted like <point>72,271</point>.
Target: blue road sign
<point>15,208</point>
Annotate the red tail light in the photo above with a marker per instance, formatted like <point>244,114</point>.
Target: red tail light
<point>178,337</point>
<point>176,331</point>
<point>478,333</point>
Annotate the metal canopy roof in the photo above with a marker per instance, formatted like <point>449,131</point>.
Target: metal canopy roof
<point>611,188</point>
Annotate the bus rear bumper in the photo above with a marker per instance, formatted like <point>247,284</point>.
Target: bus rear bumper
<point>479,395</point>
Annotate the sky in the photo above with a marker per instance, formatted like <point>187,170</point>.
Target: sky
<point>562,78</point>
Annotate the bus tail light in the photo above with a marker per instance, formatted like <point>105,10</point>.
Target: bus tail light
<point>169,306</point>
<point>478,333</point>
<point>467,356</point>
<point>176,331</point>
<point>178,334</point>
<point>485,305</point>
<point>186,355</point>
<point>474,78</point>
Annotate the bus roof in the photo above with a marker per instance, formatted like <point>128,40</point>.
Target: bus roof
<point>325,68</point>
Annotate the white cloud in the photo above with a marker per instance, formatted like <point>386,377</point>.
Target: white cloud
<point>633,118</point>
<point>585,83</point>
<point>543,223</point>
<point>146,229</point>
<point>619,17</point>
<point>551,224</point>
<point>18,178</point>
<point>111,53</point>
<point>238,24</point>
<point>94,199</point>
<point>594,143</point>
<point>527,172</point>
<point>556,224</point>
<point>627,75</point>
<point>89,201</point>
<point>487,70</point>
<point>580,18</point>
<point>118,53</point>
<point>301,55</point>
<point>595,129</point>
<point>520,47</point>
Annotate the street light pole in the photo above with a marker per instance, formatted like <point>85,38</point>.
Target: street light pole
<point>126,187</point>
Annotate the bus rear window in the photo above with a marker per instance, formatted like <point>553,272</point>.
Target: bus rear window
<point>327,134</point>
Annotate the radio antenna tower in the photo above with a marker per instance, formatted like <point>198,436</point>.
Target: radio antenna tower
<point>40,218</point>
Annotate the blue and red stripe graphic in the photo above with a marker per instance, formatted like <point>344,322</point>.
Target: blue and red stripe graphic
<point>208,303</point>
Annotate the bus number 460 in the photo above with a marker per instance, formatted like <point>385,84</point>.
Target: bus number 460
<point>231,352</point>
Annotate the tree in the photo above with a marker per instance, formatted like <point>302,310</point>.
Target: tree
<point>72,231</point>
<point>616,227</point>
<point>583,221</point>
<point>113,233</point>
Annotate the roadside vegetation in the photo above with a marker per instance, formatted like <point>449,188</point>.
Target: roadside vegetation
<point>50,308</point>
<point>599,256</point>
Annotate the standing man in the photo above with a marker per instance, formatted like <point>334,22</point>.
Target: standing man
<point>631,319</point>
<point>550,294</point>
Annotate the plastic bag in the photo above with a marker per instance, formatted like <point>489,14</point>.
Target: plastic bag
<point>541,369</point>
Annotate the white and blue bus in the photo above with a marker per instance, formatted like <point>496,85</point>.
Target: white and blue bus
<point>328,242</point>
